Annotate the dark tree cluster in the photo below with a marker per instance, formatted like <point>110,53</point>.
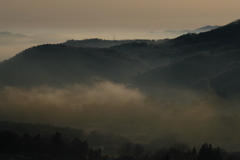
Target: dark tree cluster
<point>45,147</point>
<point>178,151</point>
<point>57,147</point>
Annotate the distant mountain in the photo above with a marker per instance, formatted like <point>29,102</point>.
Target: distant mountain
<point>173,32</point>
<point>176,33</point>
<point>100,43</point>
<point>6,34</point>
<point>12,43</point>
<point>205,29</point>
<point>8,38</point>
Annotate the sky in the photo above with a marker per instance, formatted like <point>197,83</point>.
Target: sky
<point>114,14</point>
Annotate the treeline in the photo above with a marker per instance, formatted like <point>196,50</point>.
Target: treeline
<point>45,147</point>
<point>178,151</point>
<point>55,146</point>
<point>42,129</point>
<point>95,138</point>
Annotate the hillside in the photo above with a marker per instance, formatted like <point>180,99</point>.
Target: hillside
<point>208,61</point>
<point>61,64</point>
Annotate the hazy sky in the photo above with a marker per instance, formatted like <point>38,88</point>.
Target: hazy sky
<point>139,14</point>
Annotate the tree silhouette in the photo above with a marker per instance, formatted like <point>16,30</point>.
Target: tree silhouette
<point>76,147</point>
<point>57,145</point>
<point>161,154</point>
<point>205,152</point>
<point>27,143</point>
<point>138,150</point>
<point>194,151</point>
<point>126,149</point>
<point>10,142</point>
<point>98,153</point>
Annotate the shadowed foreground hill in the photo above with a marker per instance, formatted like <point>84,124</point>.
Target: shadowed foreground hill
<point>61,64</point>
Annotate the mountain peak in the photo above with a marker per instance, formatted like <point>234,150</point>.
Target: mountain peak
<point>236,22</point>
<point>9,34</point>
<point>5,33</point>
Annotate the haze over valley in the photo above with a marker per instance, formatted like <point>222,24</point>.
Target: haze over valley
<point>150,82</point>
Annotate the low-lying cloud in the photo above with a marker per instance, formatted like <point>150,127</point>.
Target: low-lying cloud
<point>112,107</point>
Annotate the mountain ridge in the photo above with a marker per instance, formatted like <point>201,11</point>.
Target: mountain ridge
<point>186,62</point>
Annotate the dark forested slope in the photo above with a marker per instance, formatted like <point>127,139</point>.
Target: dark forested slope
<point>208,60</point>
<point>61,64</point>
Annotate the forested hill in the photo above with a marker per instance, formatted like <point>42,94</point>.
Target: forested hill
<point>207,61</point>
<point>60,64</point>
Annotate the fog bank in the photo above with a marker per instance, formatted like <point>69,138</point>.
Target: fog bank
<point>112,107</point>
